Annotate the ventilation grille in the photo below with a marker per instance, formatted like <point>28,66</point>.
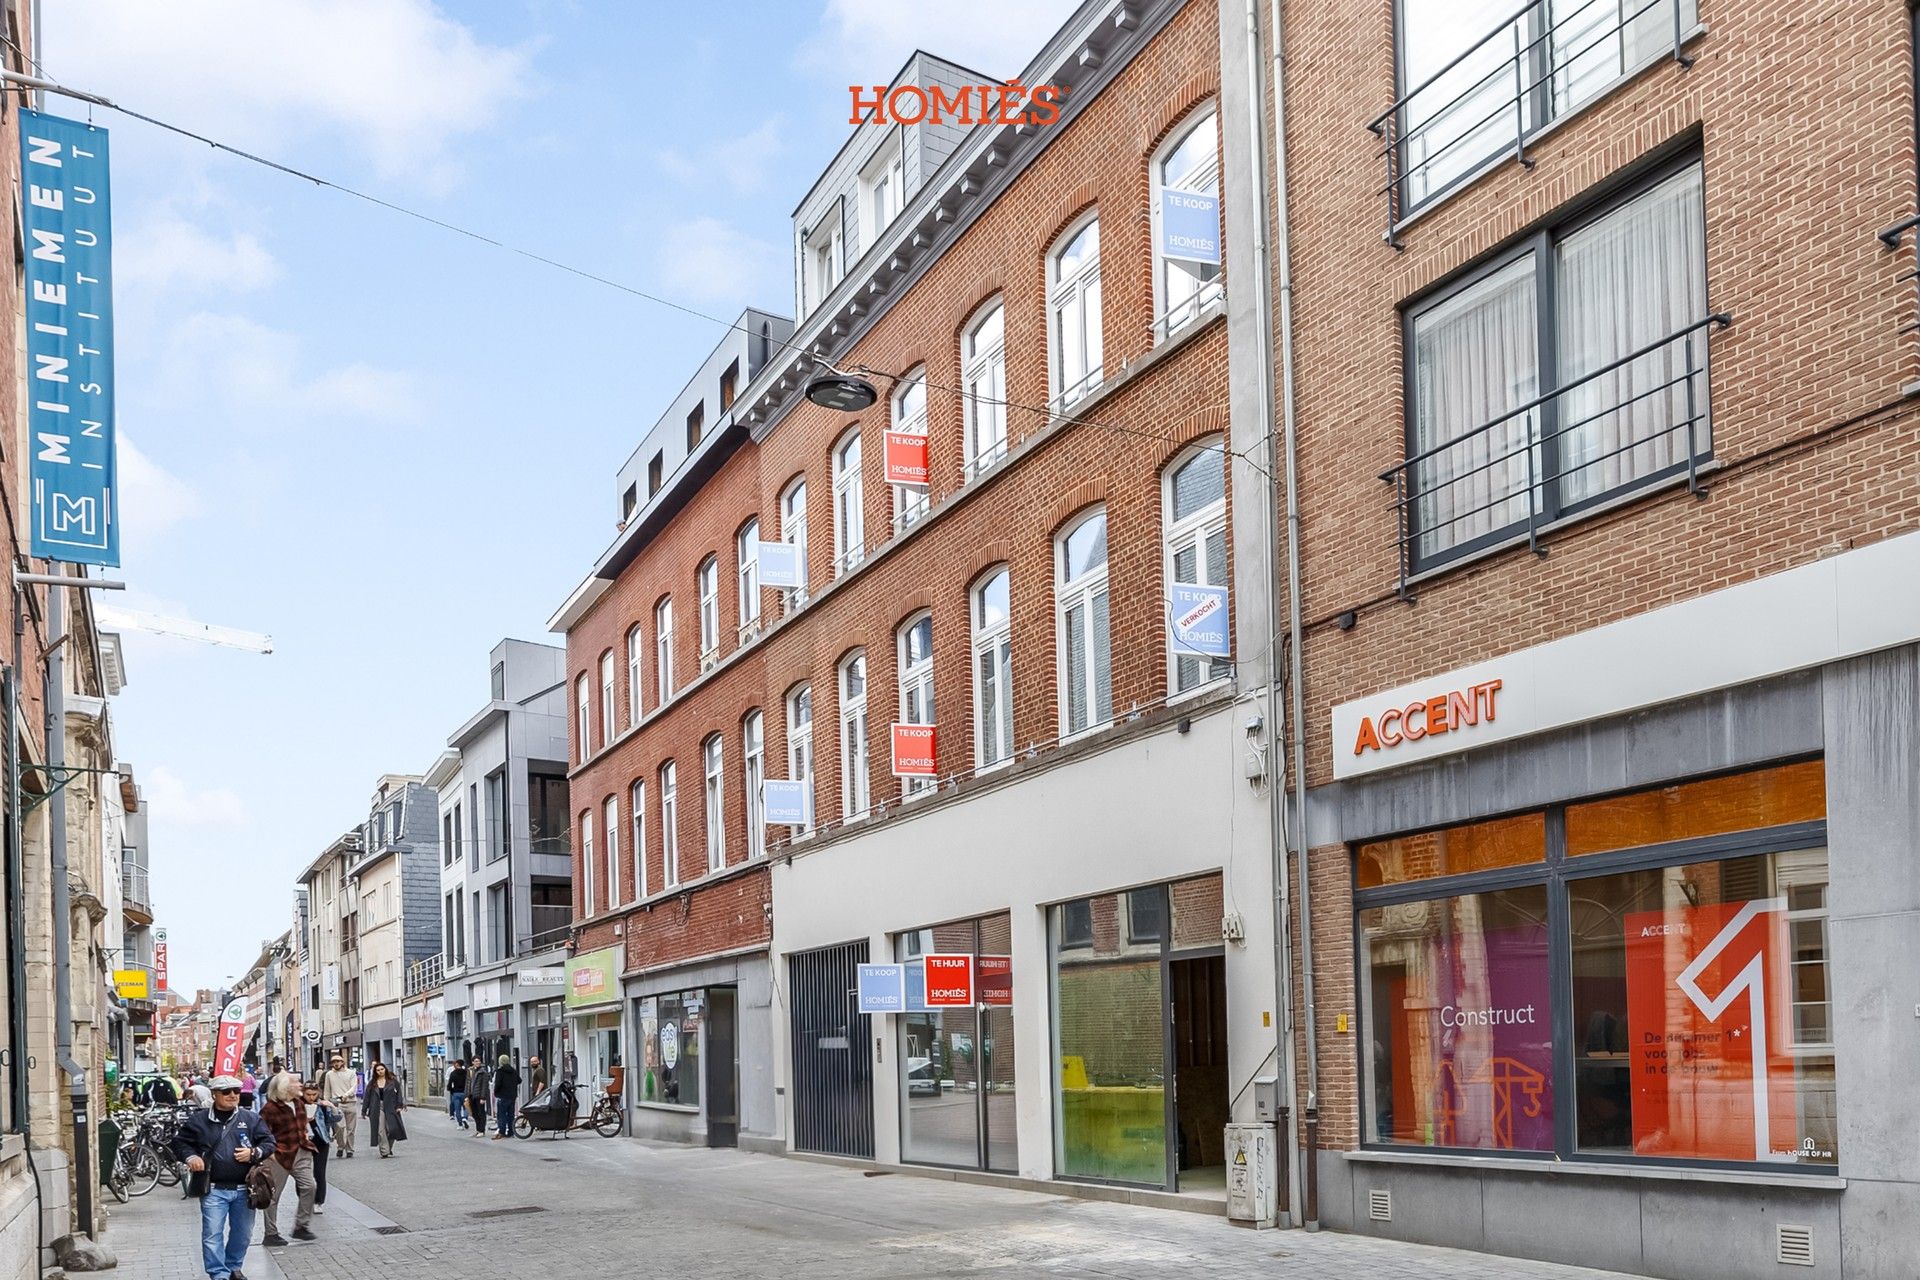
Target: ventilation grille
<point>503,1213</point>
<point>1793,1246</point>
<point>394,1230</point>
<point>1379,1205</point>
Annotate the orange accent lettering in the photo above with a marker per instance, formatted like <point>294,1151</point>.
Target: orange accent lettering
<point>960,106</point>
<point>1462,708</point>
<point>1437,714</point>
<point>893,103</point>
<point>1367,740</point>
<point>1406,718</point>
<point>1488,688</point>
<point>878,105</point>
<point>1389,737</point>
<point>1011,93</point>
<point>1046,104</point>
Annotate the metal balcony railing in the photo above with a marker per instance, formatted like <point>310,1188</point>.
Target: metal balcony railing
<point>1629,423</point>
<point>551,936</point>
<point>1484,104</point>
<point>496,843</point>
<point>425,975</point>
<point>133,886</point>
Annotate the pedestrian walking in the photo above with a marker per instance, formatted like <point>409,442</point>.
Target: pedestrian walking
<point>341,1087</point>
<point>537,1074</point>
<point>219,1146</point>
<point>384,1105</point>
<point>249,1088</point>
<point>479,1089</point>
<point>506,1092</point>
<point>325,1121</point>
<point>457,1093</point>
<point>286,1115</point>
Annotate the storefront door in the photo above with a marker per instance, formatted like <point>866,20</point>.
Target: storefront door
<point>723,1068</point>
<point>832,1053</point>
<point>957,1107</point>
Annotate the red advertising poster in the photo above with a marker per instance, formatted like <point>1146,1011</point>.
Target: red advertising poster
<point>160,968</point>
<point>1709,1028</point>
<point>906,458</point>
<point>996,979</point>
<point>913,751</point>
<point>949,981</point>
<point>232,1042</point>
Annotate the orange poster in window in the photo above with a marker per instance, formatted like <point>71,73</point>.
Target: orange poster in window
<point>1709,1024</point>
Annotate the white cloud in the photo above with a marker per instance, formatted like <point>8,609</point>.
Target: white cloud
<point>176,802</point>
<point>399,78</point>
<point>174,255</point>
<point>713,261</point>
<point>263,372</point>
<point>152,499</point>
<point>742,163</point>
<point>865,41</point>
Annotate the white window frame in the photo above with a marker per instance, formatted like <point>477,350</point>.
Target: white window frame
<point>753,770</point>
<point>636,676</point>
<point>663,648</point>
<point>910,501</point>
<point>983,380</point>
<point>793,532</point>
<point>849,504</point>
<point>883,189</point>
<point>1806,868</point>
<point>707,579</point>
<point>1193,531</point>
<point>586,861</point>
<point>992,642</point>
<point>610,821</point>
<point>747,546</point>
<point>637,818</point>
<point>825,261</point>
<point>915,693</point>
<point>1076,294</point>
<point>1172,314</point>
<point>800,746</point>
<point>856,736</point>
<point>1081,592</point>
<point>606,698</point>
<point>583,712</point>
<point>669,826</point>
<point>713,757</point>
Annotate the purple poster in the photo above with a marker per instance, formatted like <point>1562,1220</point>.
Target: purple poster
<point>1493,1042</point>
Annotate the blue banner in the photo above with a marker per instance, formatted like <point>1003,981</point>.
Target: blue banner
<point>785,804</point>
<point>879,990</point>
<point>1190,225</point>
<point>1198,618</point>
<point>780,565</point>
<point>69,275</point>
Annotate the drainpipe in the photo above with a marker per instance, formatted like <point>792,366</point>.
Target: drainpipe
<point>63,908</point>
<point>1295,661</point>
<point>16,902</point>
<point>1276,783</point>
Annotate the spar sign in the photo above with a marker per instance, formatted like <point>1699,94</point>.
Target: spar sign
<point>235,1021</point>
<point>67,229</point>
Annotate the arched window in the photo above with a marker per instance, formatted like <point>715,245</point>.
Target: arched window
<point>800,746</point>
<point>635,649</point>
<point>1073,310</point>
<point>611,828</point>
<point>582,716</point>
<point>914,662</point>
<point>753,759</point>
<point>793,532</point>
<point>1186,223</point>
<point>669,827</point>
<point>1080,587</point>
<point>711,755</point>
<point>663,647</point>
<point>587,877</point>
<point>1195,505</point>
<point>637,819</point>
<point>992,670</point>
<point>707,578</point>
<point>910,418</point>
<point>983,380</point>
<point>747,549</point>
<point>849,515</point>
<point>855,797</point>
<point>606,698</point>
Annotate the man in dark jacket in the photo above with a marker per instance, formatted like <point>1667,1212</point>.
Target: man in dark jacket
<point>457,1093</point>
<point>219,1147</point>
<point>506,1091</point>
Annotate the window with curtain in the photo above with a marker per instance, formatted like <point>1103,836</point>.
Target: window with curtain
<point>663,647</point>
<point>849,514</point>
<point>983,380</point>
<point>910,418</point>
<point>714,784</point>
<point>992,671</point>
<point>854,783</point>
<point>1086,693</point>
<point>747,549</point>
<point>1189,161</point>
<point>915,664</point>
<point>669,827</point>
<point>800,744</point>
<point>707,578</point>
<point>793,531</point>
<point>637,819</point>
<point>1073,307</point>
<point>1196,523</point>
<point>753,757</point>
<point>635,648</point>
<point>1491,444</point>
<point>611,826</point>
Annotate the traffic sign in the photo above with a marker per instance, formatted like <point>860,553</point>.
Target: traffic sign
<point>313,1035</point>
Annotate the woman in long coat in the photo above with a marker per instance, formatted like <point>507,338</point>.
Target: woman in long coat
<point>384,1105</point>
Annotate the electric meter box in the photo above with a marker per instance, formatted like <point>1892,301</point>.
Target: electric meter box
<point>1266,1098</point>
<point>1253,1182</point>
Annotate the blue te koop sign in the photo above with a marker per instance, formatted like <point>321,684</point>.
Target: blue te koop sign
<point>780,565</point>
<point>1198,618</point>
<point>1190,225</point>
<point>881,988</point>
<point>786,804</point>
<point>69,276</point>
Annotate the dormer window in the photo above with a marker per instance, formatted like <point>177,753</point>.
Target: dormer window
<point>883,184</point>
<point>824,260</point>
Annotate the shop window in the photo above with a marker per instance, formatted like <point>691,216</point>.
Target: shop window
<point>1740,802</point>
<point>1146,915</point>
<point>1479,846</point>
<point>958,1064</point>
<point>670,1061</point>
<point>1076,923</point>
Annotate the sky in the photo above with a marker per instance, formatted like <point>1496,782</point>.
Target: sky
<point>385,445</point>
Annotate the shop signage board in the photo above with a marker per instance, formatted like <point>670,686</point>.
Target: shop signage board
<point>548,976</point>
<point>67,229</point>
<point>160,961</point>
<point>913,751</point>
<point>906,457</point>
<point>1197,617</point>
<point>881,988</point>
<point>780,565</point>
<point>949,980</point>
<point>786,803</point>
<point>996,979</point>
<point>231,1040</point>
<point>131,984</point>
<point>1190,225</point>
<point>593,978</point>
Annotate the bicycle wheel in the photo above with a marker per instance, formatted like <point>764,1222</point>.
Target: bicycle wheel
<point>169,1171</point>
<point>606,1120</point>
<point>117,1184</point>
<point>143,1170</point>
<point>522,1127</point>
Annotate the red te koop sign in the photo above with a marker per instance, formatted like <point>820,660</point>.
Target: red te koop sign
<point>949,981</point>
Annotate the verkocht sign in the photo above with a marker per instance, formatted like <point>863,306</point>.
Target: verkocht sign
<point>590,978</point>
<point>1198,616</point>
<point>906,458</point>
<point>949,981</point>
<point>913,751</point>
<point>68,235</point>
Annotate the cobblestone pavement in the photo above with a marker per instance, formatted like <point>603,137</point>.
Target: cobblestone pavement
<point>452,1205</point>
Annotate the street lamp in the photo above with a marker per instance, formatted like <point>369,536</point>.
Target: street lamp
<point>841,391</point>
